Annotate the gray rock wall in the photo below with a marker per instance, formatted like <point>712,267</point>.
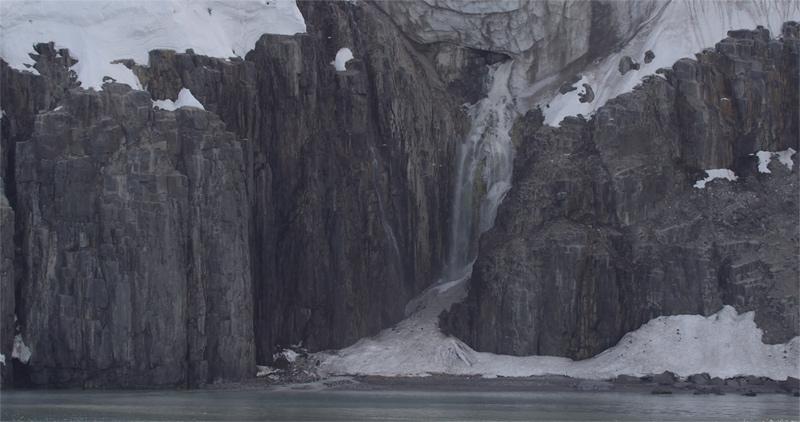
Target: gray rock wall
<point>135,241</point>
<point>603,229</point>
<point>306,205</point>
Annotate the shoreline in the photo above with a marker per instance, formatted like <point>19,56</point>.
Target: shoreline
<point>665,383</point>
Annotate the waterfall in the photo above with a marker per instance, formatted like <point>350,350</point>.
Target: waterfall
<point>483,173</point>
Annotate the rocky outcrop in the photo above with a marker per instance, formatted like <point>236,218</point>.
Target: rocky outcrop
<point>134,227</point>
<point>22,96</point>
<point>304,206</point>
<point>603,229</point>
<point>6,284</point>
<point>626,64</point>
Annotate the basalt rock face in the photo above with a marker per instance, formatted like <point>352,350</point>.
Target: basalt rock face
<point>348,170</point>
<point>603,229</point>
<point>134,244</point>
<point>22,96</point>
<point>304,205</point>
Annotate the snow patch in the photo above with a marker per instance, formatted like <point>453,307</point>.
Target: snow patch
<point>288,354</point>
<point>342,56</point>
<point>715,174</point>
<point>185,99</point>
<point>20,350</point>
<point>784,157</point>
<point>2,358</point>
<point>764,157</point>
<point>58,108</point>
<point>264,370</point>
<point>100,32</point>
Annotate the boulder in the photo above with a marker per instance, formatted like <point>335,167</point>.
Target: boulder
<point>626,64</point>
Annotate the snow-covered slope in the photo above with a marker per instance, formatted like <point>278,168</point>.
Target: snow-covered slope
<point>99,32</point>
<point>723,345</point>
<point>681,29</point>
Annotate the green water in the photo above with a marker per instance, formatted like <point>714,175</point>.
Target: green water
<point>385,405</point>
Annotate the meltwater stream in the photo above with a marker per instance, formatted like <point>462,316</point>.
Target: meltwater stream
<point>416,345</point>
<point>483,170</point>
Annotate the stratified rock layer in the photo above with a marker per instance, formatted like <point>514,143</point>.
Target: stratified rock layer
<point>603,229</point>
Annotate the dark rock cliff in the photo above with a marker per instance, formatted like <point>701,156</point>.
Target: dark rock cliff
<point>304,205</point>
<point>603,229</point>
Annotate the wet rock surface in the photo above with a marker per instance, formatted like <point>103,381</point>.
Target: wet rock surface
<point>603,229</point>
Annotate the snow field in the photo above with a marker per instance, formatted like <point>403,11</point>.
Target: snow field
<point>100,32</point>
<point>681,29</point>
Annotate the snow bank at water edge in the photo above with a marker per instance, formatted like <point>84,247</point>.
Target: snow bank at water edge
<point>100,32</point>
<point>723,345</point>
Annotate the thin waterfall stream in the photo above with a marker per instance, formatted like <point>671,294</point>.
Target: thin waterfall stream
<point>483,172</point>
<point>483,176</point>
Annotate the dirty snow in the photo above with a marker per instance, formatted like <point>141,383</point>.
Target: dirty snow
<point>264,370</point>
<point>715,174</point>
<point>342,56</point>
<point>99,32</point>
<point>185,99</point>
<point>288,354</point>
<point>20,350</point>
<point>785,157</point>
<point>724,345</point>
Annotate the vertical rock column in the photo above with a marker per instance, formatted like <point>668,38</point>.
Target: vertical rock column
<point>134,226</point>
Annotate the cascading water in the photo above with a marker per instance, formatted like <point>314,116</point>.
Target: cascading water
<point>483,177</point>
<point>483,173</point>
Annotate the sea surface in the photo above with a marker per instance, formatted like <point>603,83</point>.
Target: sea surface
<point>287,404</point>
